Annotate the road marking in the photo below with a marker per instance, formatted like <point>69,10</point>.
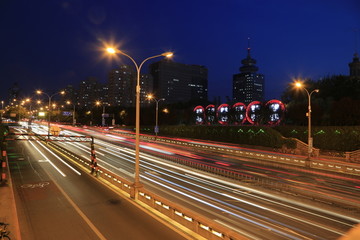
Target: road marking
<point>78,210</point>
<point>35,185</point>
<point>51,163</point>
<point>43,160</point>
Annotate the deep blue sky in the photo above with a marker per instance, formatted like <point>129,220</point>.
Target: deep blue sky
<point>48,44</point>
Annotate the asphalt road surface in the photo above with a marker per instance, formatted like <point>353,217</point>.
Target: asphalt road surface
<point>55,201</point>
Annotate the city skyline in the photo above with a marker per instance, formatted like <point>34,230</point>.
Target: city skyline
<point>52,44</point>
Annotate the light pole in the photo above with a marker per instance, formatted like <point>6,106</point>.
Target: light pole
<point>137,184</point>
<point>2,109</point>
<point>98,103</point>
<point>151,97</point>
<point>310,140</point>
<point>74,112</point>
<point>49,106</point>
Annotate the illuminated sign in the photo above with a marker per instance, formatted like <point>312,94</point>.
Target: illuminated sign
<point>199,113</point>
<point>270,113</point>
<point>223,114</point>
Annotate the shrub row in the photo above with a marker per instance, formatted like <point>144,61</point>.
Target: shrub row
<point>249,135</point>
<point>336,138</point>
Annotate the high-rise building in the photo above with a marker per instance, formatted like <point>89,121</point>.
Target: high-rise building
<point>248,85</point>
<point>14,93</point>
<point>89,92</point>
<point>121,87</point>
<point>177,82</point>
<point>355,66</point>
<point>122,84</point>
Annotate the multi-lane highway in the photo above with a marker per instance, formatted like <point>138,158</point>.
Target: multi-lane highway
<point>245,207</point>
<point>55,200</point>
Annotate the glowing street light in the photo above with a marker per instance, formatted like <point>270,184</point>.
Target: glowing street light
<point>2,109</point>
<point>151,97</point>
<point>110,50</point>
<point>74,112</point>
<point>39,92</point>
<point>310,140</point>
<point>98,103</point>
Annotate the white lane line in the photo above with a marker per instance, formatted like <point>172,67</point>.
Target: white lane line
<point>51,163</point>
<point>78,210</point>
<point>68,165</point>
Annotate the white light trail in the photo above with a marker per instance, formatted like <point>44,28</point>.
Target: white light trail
<point>225,210</point>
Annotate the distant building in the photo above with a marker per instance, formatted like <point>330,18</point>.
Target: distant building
<point>248,85</point>
<point>14,93</point>
<point>89,92</point>
<point>71,94</point>
<point>122,86</point>
<point>177,82</point>
<point>355,66</point>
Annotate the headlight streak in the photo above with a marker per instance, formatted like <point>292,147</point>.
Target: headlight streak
<point>121,139</point>
<point>48,160</point>
<point>272,196</point>
<point>112,168</point>
<point>250,236</point>
<point>222,209</point>
<point>244,193</point>
<point>65,163</point>
<point>255,205</point>
<point>266,199</point>
<point>237,186</point>
<point>236,207</point>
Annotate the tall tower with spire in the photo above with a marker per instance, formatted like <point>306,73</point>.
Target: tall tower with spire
<point>248,85</point>
<point>355,64</point>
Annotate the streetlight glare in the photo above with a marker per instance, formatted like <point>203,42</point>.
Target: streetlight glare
<point>167,54</point>
<point>111,50</point>
<point>298,84</point>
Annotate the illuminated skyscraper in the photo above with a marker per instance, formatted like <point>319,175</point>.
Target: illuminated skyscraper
<point>121,86</point>
<point>177,82</point>
<point>248,85</point>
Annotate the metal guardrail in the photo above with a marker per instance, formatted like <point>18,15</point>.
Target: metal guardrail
<point>353,156</point>
<point>261,157</point>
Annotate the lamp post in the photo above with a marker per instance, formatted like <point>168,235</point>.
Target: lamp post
<point>2,109</point>
<point>137,184</point>
<point>98,103</point>
<point>151,97</point>
<point>74,112</point>
<point>49,106</point>
<point>310,140</point>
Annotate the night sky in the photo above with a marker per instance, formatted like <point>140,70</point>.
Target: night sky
<point>48,44</point>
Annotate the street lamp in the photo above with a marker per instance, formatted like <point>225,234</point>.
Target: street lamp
<point>137,184</point>
<point>151,97</point>
<point>49,106</point>
<point>74,112</point>
<point>310,140</point>
<point>98,103</point>
<point>2,108</point>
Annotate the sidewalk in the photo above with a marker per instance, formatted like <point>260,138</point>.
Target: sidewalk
<point>8,213</point>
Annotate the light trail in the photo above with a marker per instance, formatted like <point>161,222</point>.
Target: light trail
<point>238,199</point>
<point>281,233</point>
